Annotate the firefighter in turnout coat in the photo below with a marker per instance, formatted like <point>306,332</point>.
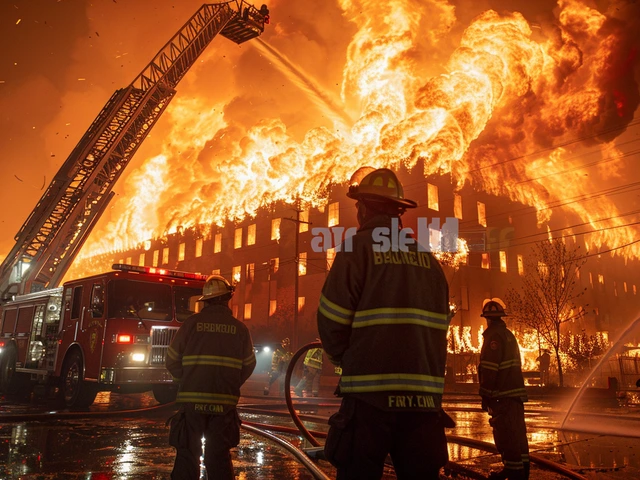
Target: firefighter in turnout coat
<point>503,393</point>
<point>383,318</point>
<point>211,356</point>
<point>310,381</point>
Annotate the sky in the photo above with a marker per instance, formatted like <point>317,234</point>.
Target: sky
<point>63,59</point>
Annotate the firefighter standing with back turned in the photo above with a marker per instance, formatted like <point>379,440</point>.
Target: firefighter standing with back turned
<point>503,393</point>
<point>211,356</point>
<point>383,318</point>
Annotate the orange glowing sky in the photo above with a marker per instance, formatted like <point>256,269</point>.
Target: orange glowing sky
<point>512,97</point>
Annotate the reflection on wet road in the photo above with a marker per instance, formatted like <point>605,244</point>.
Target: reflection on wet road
<point>133,446</point>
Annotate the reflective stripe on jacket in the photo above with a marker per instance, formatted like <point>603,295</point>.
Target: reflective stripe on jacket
<point>383,318</point>
<point>211,356</point>
<point>500,372</point>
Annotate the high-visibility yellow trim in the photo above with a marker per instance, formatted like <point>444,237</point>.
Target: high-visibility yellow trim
<point>335,312</point>
<point>172,354</point>
<point>250,359</point>
<point>392,382</point>
<point>395,316</point>
<point>334,306</point>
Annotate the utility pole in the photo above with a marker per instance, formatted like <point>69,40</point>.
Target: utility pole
<point>297,221</point>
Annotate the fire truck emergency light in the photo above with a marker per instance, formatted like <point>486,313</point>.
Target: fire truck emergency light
<point>158,271</point>
<point>124,338</point>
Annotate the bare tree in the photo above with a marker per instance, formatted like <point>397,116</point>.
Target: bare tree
<point>548,295</point>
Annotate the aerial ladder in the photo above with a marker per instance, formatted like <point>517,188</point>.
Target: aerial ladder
<point>79,193</point>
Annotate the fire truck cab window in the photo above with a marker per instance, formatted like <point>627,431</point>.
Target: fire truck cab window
<point>186,299</point>
<point>97,301</point>
<point>76,302</point>
<point>139,300</point>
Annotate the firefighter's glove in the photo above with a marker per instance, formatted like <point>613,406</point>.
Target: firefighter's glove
<point>446,420</point>
<point>485,404</point>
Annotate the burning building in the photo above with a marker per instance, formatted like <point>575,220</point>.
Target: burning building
<point>521,125</point>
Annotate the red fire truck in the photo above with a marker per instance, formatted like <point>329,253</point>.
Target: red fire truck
<point>107,332</point>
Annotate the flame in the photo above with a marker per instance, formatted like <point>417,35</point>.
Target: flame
<point>510,91</point>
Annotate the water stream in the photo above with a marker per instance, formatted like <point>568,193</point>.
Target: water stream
<point>614,348</point>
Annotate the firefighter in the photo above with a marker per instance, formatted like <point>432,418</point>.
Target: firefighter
<point>279,363</point>
<point>383,318</point>
<point>503,393</point>
<point>211,357</point>
<point>310,381</point>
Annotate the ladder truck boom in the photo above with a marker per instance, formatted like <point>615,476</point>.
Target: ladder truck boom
<point>79,193</point>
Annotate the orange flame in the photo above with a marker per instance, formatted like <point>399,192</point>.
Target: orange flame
<point>502,88</point>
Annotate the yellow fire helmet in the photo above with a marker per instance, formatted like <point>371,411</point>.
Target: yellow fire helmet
<point>382,186</point>
<point>216,286</point>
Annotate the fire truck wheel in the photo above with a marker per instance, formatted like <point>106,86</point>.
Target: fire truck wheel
<point>8,369</point>
<point>12,382</point>
<point>165,393</point>
<point>76,392</point>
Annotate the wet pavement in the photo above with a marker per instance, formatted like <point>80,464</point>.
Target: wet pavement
<point>102,443</point>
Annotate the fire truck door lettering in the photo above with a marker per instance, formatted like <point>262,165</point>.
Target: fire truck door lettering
<point>215,328</point>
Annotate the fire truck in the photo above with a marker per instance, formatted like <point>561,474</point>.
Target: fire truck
<point>107,332</point>
<point>78,335</point>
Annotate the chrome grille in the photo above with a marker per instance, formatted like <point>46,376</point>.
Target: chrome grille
<point>161,338</point>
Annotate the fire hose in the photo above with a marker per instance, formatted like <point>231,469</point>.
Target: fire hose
<point>537,459</point>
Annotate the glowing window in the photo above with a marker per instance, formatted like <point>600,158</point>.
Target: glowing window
<point>217,243</point>
<point>601,279</point>
<point>625,287</point>
<point>275,228</point>
<point>482,214</point>
<point>165,255</point>
<point>129,261</point>
<point>273,305</point>
<point>247,311</point>
<point>199,242</point>
<point>615,289</point>
<point>634,290</point>
<point>520,265</point>
<point>432,197</point>
<point>334,214</point>
<point>301,302</point>
<point>503,261</point>
<point>304,221</point>
<point>147,245</point>
<point>274,264</point>
<point>250,271</point>
<point>591,279</point>
<point>237,238</point>
<point>156,256</point>
<point>302,264</point>
<point>235,273</point>
<point>181,249</point>
<point>457,206</point>
<point>577,273</point>
<point>141,260</point>
<point>331,255</point>
<point>121,260</point>
<point>251,234</point>
<point>486,261</point>
<point>215,271</point>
